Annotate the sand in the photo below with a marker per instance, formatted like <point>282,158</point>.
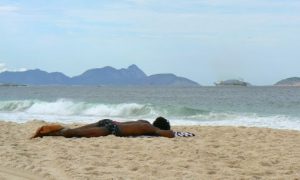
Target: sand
<point>215,153</point>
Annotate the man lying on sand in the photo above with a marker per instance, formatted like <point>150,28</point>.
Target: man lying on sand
<point>160,127</point>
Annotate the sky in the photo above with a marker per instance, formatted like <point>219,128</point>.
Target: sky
<point>257,41</point>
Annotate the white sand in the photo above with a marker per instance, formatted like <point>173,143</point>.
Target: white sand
<point>215,153</point>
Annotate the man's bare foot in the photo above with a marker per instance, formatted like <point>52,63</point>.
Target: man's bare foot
<point>46,130</point>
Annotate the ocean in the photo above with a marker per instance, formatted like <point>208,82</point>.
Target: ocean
<point>273,107</point>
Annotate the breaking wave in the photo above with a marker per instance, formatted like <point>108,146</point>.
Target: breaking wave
<point>66,110</point>
<point>68,107</point>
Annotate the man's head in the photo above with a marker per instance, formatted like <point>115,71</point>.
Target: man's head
<point>162,123</point>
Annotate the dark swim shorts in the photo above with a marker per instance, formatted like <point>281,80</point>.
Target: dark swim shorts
<point>111,126</point>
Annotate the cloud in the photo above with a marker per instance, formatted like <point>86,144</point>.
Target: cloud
<point>8,8</point>
<point>4,68</point>
<point>191,18</point>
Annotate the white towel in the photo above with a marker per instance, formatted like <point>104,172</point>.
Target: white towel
<point>183,134</point>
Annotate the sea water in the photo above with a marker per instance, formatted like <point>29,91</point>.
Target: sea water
<point>274,107</point>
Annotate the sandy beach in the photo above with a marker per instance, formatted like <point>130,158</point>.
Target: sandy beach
<point>215,153</point>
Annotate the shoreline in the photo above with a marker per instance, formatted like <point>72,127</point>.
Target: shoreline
<point>216,152</point>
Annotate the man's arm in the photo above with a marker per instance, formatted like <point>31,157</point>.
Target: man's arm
<point>165,133</point>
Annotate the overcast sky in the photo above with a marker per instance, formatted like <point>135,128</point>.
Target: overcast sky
<point>204,40</point>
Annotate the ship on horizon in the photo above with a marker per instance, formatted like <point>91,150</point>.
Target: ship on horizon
<point>231,82</point>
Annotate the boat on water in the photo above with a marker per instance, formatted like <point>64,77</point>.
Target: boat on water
<point>231,82</point>
<point>11,85</point>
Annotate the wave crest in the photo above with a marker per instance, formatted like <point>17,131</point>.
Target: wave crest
<point>67,107</point>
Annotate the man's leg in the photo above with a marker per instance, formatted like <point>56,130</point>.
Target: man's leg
<point>85,132</point>
<point>90,125</point>
<point>58,130</point>
<point>44,130</point>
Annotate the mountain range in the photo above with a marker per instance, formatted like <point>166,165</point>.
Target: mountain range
<point>132,75</point>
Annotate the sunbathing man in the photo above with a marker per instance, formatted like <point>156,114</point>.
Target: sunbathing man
<point>160,127</point>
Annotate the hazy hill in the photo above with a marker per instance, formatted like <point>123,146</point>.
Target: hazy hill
<point>132,75</point>
<point>293,81</point>
<point>168,79</point>
<point>33,77</point>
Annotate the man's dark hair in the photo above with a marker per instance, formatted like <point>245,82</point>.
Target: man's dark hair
<point>162,123</point>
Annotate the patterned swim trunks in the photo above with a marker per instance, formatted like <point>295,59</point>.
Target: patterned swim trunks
<point>111,126</point>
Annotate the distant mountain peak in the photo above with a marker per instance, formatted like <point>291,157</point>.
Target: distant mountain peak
<point>34,70</point>
<point>133,66</point>
<point>107,67</point>
<point>134,69</point>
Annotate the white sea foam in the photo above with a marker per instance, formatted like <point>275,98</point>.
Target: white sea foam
<point>253,120</point>
<point>60,107</point>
